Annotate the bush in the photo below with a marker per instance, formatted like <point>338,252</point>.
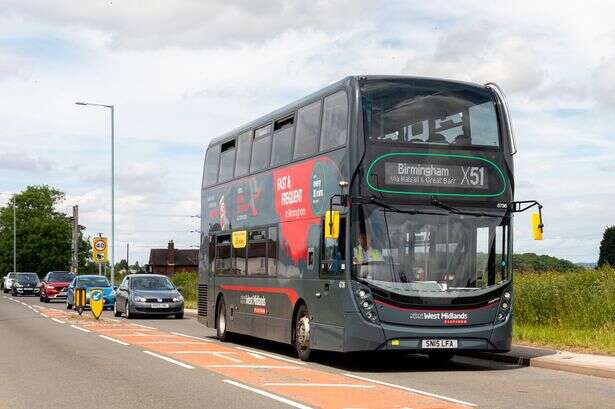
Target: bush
<point>188,281</point>
<point>570,308</point>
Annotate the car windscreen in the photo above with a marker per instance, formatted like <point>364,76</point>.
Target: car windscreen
<point>93,282</point>
<point>151,283</point>
<point>27,278</point>
<point>61,276</point>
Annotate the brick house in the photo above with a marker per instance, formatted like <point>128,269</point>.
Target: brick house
<point>170,260</point>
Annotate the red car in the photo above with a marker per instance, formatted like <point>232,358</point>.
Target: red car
<point>55,285</point>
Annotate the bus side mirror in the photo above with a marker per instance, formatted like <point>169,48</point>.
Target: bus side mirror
<point>537,225</point>
<point>332,224</point>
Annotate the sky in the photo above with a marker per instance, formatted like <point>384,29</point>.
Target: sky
<point>181,72</point>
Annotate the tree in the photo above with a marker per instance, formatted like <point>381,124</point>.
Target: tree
<point>43,234</point>
<point>607,248</point>
<point>534,262</point>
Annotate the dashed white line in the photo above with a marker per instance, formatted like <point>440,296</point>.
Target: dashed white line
<point>168,342</point>
<point>257,356</point>
<point>292,361</point>
<point>190,336</point>
<point>144,326</point>
<point>80,329</point>
<point>268,394</point>
<point>321,385</point>
<point>405,388</point>
<point>254,366</point>
<point>44,315</point>
<point>117,341</point>
<point>171,360</point>
<point>58,321</point>
<point>219,354</point>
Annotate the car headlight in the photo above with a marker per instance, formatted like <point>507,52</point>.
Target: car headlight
<point>18,285</point>
<point>50,287</point>
<point>112,293</point>
<point>178,298</point>
<point>139,299</point>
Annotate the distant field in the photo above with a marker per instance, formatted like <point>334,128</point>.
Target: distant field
<point>572,310</point>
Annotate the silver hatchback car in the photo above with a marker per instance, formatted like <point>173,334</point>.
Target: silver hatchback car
<point>148,294</point>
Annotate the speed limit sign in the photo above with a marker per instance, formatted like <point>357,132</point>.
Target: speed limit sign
<point>100,250</point>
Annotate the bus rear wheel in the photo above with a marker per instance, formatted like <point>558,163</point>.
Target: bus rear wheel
<point>221,320</point>
<point>302,334</point>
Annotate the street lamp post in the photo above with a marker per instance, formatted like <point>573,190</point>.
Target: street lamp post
<point>111,107</point>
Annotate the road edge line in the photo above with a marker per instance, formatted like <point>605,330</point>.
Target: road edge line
<point>117,341</point>
<point>171,360</point>
<point>267,394</point>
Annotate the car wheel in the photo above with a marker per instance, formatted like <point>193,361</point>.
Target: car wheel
<point>40,298</point>
<point>221,321</point>
<point>127,310</point>
<point>302,334</point>
<point>116,313</point>
<point>46,299</point>
<point>69,306</point>
<point>180,315</point>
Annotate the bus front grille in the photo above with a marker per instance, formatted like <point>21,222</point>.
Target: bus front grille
<point>202,302</point>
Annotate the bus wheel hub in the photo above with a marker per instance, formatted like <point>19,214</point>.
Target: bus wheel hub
<point>303,333</point>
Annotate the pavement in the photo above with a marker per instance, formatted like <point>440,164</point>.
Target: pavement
<point>50,357</point>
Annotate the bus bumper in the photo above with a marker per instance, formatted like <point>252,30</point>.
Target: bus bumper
<point>361,335</point>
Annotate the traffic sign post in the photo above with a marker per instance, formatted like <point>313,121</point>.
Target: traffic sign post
<point>100,249</point>
<point>79,300</point>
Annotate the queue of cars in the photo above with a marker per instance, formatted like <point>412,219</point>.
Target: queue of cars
<point>138,294</point>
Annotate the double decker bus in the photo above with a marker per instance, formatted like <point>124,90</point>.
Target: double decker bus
<point>374,214</point>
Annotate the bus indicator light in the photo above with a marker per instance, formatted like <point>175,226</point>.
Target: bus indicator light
<point>395,342</point>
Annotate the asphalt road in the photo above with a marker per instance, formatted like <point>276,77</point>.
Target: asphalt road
<point>50,358</point>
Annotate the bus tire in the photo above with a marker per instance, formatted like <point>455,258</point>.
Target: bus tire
<point>301,334</point>
<point>221,321</point>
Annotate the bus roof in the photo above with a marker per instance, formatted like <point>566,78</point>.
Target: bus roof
<point>334,86</point>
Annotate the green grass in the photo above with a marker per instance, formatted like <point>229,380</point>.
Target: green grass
<point>570,310</point>
<point>188,283</point>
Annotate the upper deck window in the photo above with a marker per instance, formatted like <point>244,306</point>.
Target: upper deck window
<point>227,161</point>
<point>261,149</point>
<point>308,129</point>
<point>211,165</point>
<point>244,145</point>
<point>335,121</point>
<point>429,112</point>
<point>283,131</point>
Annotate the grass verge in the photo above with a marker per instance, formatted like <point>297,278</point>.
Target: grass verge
<point>568,310</point>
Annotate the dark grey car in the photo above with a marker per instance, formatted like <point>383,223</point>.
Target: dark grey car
<point>148,294</point>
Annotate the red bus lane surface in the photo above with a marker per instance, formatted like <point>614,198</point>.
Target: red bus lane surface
<point>284,379</point>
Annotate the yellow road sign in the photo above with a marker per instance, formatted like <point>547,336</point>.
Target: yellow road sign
<point>100,250</point>
<point>97,302</point>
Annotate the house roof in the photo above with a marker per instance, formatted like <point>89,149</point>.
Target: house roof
<point>189,257</point>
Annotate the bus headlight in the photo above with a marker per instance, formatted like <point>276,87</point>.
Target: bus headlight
<point>365,301</point>
<point>505,307</point>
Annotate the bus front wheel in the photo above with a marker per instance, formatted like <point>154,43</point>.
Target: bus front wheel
<point>221,331</point>
<point>302,334</point>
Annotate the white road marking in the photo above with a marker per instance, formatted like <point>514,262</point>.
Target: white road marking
<point>292,361</point>
<point>58,321</point>
<point>144,326</point>
<point>117,341</point>
<point>321,385</point>
<point>173,361</point>
<point>80,329</point>
<point>190,336</point>
<point>268,395</point>
<point>124,329</point>
<point>420,392</point>
<point>257,356</point>
<point>218,354</point>
<point>147,335</point>
<point>44,315</point>
<point>254,366</point>
<point>168,342</point>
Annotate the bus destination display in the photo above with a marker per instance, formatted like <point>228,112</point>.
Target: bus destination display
<point>436,175</point>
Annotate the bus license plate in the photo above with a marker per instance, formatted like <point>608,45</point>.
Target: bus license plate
<point>439,343</point>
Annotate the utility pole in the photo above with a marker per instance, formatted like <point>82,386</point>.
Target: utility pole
<point>14,235</point>
<point>128,256</point>
<point>75,247</point>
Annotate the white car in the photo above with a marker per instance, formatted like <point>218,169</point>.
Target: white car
<point>7,282</point>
